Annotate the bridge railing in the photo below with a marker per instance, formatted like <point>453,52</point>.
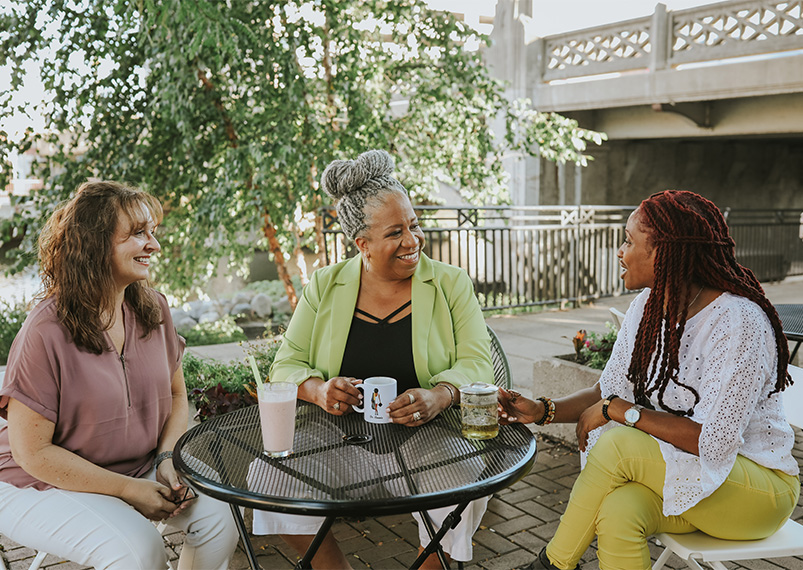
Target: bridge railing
<point>707,33</point>
<point>527,256</point>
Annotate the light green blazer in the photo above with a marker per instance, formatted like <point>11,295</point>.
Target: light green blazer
<point>450,341</point>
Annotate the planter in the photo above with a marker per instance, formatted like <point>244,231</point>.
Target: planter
<point>558,377</point>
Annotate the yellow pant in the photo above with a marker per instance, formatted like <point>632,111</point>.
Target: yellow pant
<point>619,498</point>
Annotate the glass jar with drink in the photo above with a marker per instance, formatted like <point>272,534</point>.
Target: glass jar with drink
<point>480,419</point>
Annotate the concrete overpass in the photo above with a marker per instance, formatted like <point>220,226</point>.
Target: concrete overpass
<point>709,99</point>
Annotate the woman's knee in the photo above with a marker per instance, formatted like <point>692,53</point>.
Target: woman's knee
<point>622,442</point>
<point>631,508</point>
<point>211,523</point>
<point>133,549</point>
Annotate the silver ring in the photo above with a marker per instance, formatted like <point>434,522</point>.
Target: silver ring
<point>412,398</point>
<point>417,416</point>
<point>336,406</point>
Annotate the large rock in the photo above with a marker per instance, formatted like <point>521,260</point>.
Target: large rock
<point>184,322</point>
<point>209,317</point>
<point>242,297</point>
<point>555,378</point>
<point>242,310</point>
<point>283,306</point>
<point>198,308</point>
<point>262,305</point>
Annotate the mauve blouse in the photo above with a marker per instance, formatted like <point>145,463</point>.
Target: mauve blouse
<point>109,408</point>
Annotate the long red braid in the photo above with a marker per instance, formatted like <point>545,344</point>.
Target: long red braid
<point>692,245</point>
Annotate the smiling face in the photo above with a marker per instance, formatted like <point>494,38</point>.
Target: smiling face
<point>637,255</point>
<point>133,243</point>
<point>393,242</point>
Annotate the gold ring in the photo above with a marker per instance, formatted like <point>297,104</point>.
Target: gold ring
<point>417,416</point>
<point>412,398</point>
<point>336,406</point>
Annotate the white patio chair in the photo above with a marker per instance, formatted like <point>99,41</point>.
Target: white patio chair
<point>618,316</point>
<point>697,547</point>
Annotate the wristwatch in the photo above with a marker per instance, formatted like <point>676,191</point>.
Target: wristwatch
<point>632,415</point>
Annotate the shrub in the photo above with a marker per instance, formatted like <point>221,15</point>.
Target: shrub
<point>11,318</point>
<point>217,332</point>
<point>597,347</point>
<point>218,388</point>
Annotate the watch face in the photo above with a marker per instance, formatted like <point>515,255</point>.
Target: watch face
<point>632,416</point>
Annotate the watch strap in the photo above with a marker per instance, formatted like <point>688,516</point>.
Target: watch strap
<point>161,457</point>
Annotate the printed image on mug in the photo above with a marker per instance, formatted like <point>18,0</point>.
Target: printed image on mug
<point>378,392</point>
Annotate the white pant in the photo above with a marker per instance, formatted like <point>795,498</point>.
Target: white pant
<point>106,532</point>
<point>456,543</point>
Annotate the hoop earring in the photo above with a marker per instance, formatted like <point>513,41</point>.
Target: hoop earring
<point>366,263</point>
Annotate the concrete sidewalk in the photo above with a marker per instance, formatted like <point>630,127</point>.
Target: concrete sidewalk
<point>520,519</point>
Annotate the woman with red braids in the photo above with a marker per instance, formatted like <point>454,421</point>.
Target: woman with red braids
<point>685,429</point>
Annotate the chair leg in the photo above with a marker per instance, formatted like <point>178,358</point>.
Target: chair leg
<point>37,562</point>
<point>662,559</point>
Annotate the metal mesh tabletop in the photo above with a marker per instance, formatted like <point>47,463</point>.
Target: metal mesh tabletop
<point>345,466</point>
<point>792,320</point>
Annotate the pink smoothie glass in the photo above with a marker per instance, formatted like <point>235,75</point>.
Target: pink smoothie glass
<point>277,415</point>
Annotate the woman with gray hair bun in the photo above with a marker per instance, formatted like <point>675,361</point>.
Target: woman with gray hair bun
<point>419,318</point>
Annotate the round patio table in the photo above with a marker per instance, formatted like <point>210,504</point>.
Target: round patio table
<point>345,466</point>
<point>792,321</point>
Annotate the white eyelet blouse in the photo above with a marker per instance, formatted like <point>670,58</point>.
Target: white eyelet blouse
<point>728,356</point>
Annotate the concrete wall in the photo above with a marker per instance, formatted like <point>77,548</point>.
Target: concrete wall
<point>736,173</point>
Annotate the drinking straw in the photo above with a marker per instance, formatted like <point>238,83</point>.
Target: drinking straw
<point>255,370</point>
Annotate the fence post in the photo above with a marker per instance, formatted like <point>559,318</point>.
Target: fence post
<point>660,38</point>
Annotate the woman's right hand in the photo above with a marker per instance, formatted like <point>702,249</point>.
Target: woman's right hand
<point>338,394</point>
<point>513,408</point>
<point>150,498</point>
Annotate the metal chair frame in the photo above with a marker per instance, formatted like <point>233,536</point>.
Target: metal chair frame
<point>502,375</point>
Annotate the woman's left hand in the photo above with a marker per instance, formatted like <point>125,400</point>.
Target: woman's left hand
<point>590,419</point>
<point>183,495</point>
<point>417,406</point>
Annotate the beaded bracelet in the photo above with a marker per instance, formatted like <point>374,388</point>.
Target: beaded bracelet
<point>549,412</point>
<point>451,392</point>
<point>605,405</point>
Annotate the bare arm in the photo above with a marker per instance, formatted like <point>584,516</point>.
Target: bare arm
<point>175,426</point>
<point>515,408</point>
<point>681,432</point>
<point>31,439</point>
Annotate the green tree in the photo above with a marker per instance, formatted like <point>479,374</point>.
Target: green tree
<point>229,111</point>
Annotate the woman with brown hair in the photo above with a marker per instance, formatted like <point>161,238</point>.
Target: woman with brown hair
<point>695,376</point>
<point>95,400</point>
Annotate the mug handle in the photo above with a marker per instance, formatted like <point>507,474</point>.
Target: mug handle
<point>360,408</point>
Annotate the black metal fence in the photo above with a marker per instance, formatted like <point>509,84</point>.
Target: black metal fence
<point>522,256</point>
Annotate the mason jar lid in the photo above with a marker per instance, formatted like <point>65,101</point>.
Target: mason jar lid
<point>478,388</point>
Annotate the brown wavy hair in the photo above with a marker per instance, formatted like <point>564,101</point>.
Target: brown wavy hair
<point>75,249</point>
<point>692,245</point>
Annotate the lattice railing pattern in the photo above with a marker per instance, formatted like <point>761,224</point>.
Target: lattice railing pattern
<point>743,28</point>
<point>612,47</point>
<point>715,31</point>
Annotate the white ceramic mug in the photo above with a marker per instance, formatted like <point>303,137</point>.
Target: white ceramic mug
<point>377,393</point>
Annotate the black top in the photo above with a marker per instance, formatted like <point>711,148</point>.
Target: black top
<point>381,349</point>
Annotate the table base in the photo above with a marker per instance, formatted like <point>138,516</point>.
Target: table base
<point>451,521</point>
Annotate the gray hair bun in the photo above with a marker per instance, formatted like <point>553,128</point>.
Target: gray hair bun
<point>350,183</point>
